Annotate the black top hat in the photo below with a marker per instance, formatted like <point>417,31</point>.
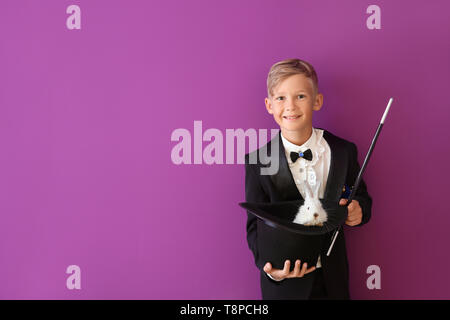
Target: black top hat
<point>282,214</point>
<point>280,239</point>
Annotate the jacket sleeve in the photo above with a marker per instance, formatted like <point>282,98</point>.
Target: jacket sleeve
<point>363,197</point>
<point>253,193</point>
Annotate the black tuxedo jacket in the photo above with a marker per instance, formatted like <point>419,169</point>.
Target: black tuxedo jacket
<point>280,186</point>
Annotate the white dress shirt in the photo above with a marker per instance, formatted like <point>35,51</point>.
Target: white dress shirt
<point>313,171</point>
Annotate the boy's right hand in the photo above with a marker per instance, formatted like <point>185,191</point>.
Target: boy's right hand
<point>279,274</point>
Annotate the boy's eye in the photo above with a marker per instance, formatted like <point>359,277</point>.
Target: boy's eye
<point>281,98</point>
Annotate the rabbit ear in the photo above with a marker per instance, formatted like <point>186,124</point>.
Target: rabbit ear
<point>316,189</point>
<point>307,190</point>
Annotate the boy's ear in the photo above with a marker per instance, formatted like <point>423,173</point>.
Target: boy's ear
<point>318,102</point>
<point>268,103</point>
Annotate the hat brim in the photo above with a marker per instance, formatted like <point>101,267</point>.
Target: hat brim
<point>282,214</point>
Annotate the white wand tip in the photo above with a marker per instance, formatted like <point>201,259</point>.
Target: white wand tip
<point>387,110</point>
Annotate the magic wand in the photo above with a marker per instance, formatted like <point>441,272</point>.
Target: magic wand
<point>366,160</point>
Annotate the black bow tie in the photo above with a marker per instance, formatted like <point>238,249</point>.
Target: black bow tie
<point>307,155</point>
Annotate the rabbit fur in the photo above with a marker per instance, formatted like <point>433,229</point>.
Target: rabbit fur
<point>311,213</point>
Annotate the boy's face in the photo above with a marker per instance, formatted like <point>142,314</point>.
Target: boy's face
<point>293,102</point>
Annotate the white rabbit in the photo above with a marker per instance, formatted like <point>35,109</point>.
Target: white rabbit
<point>311,213</point>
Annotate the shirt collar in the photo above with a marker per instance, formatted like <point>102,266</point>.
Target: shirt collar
<point>290,147</point>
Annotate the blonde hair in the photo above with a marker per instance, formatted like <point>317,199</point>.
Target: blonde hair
<point>289,67</point>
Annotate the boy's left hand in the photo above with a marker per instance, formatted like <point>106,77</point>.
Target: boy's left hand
<point>354,212</point>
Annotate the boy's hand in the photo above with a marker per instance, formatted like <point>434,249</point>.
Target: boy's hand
<point>279,274</point>
<point>354,212</point>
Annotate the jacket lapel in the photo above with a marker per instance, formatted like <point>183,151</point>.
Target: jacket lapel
<point>338,167</point>
<point>283,180</point>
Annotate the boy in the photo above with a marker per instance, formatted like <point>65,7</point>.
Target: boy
<point>293,95</point>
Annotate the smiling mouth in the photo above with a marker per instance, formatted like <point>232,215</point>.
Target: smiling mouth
<point>291,117</point>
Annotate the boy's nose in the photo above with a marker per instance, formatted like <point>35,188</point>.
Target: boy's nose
<point>290,105</point>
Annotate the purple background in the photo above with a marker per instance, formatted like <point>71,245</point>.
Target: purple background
<point>86,117</point>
